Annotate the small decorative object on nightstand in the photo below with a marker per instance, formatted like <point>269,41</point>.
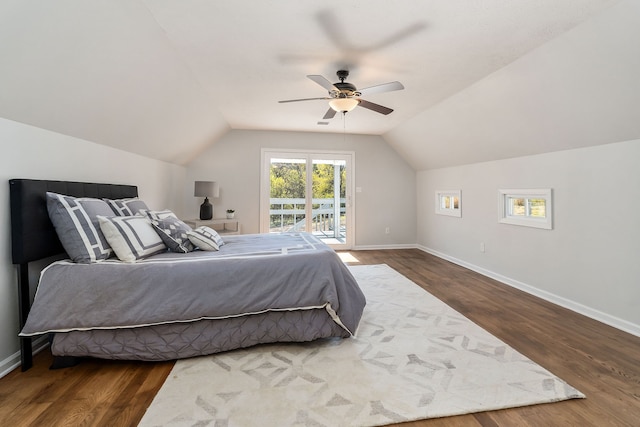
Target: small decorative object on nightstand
<point>230,213</point>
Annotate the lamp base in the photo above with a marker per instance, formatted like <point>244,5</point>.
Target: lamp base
<point>206,209</point>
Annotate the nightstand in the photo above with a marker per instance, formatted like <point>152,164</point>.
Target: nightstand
<point>221,225</point>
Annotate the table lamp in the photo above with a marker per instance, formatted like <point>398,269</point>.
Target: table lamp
<point>206,189</point>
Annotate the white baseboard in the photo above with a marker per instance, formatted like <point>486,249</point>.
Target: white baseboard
<point>12,362</point>
<point>382,247</point>
<point>605,318</point>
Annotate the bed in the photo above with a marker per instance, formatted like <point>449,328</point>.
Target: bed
<point>255,289</point>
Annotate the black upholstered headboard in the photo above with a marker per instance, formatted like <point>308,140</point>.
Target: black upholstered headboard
<point>33,236</point>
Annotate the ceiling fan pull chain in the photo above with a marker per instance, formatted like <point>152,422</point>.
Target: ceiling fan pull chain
<point>344,128</point>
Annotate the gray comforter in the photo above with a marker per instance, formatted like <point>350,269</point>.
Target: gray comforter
<point>250,274</point>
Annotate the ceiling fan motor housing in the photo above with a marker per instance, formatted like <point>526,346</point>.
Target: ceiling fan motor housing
<point>345,90</point>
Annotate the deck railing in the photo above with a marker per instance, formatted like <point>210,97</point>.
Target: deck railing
<point>288,214</point>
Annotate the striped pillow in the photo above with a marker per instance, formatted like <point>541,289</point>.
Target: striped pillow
<point>205,238</point>
<point>157,215</point>
<point>77,226</point>
<point>126,207</point>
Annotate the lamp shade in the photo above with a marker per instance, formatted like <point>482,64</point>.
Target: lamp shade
<point>343,105</point>
<point>206,189</point>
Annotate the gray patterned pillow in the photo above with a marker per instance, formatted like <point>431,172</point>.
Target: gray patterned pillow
<point>173,233</point>
<point>156,215</point>
<point>77,226</point>
<point>131,237</point>
<point>205,238</point>
<point>126,207</point>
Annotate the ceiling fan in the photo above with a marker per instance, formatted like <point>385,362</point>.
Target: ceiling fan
<point>344,97</point>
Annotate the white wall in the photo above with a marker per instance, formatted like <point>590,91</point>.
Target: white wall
<point>588,262</point>
<point>29,152</point>
<point>388,183</point>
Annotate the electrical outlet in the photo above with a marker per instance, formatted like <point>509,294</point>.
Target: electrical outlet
<point>481,246</point>
<point>386,230</point>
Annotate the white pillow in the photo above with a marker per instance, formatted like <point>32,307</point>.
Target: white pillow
<point>131,237</point>
<point>205,238</point>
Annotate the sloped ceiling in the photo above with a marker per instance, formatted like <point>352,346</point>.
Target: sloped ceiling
<point>167,78</point>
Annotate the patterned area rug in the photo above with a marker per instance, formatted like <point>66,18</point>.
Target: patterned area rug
<point>413,357</point>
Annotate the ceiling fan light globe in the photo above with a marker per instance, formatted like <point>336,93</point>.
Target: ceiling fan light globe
<point>343,105</point>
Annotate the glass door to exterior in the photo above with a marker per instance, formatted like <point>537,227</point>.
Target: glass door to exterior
<point>329,200</point>
<point>308,192</point>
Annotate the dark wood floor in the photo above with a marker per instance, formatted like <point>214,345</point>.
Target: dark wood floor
<point>600,361</point>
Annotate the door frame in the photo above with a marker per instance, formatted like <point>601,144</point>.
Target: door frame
<point>265,184</point>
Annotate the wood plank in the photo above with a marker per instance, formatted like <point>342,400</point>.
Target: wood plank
<point>600,361</point>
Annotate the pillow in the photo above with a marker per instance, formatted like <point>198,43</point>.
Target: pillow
<point>156,215</point>
<point>126,207</point>
<point>131,237</point>
<point>173,233</point>
<point>205,238</point>
<point>77,226</point>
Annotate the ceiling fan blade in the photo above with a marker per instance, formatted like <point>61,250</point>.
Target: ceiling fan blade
<point>385,87</point>
<point>330,114</point>
<point>399,36</point>
<point>322,82</point>
<point>302,99</point>
<point>332,28</point>
<point>375,107</point>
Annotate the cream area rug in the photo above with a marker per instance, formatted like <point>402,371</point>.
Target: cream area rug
<point>413,357</point>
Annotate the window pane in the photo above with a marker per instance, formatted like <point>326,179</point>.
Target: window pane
<point>537,208</point>
<point>328,184</point>
<point>517,206</point>
<point>456,203</point>
<point>287,195</point>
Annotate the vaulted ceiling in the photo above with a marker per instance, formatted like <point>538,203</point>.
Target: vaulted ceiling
<point>484,79</point>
